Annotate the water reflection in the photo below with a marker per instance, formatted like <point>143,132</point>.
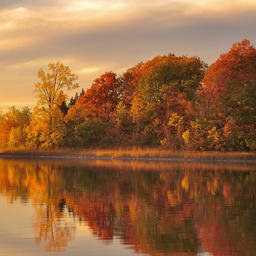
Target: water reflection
<point>153,208</point>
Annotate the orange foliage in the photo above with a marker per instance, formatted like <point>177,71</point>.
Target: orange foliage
<point>237,65</point>
<point>99,100</point>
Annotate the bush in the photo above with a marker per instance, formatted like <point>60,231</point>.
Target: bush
<point>90,133</point>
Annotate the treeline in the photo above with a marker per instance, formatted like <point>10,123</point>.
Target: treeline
<point>169,101</point>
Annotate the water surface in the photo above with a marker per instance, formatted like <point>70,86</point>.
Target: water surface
<point>126,208</point>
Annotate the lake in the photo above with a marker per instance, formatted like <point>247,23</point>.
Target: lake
<point>115,208</point>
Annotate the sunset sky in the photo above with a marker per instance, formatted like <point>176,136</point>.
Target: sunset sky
<point>96,36</point>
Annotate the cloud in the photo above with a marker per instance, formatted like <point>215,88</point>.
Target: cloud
<point>103,6</point>
<point>5,4</point>
<point>97,36</point>
<point>89,70</point>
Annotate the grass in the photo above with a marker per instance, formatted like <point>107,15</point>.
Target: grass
<point>164,153</point>
<point>130,153</point>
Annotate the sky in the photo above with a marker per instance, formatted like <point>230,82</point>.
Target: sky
<point>96,36</point>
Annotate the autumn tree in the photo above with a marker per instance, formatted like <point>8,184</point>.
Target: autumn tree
<point>182,74</point>
<point>228,94</point>
<point>238,65</point>
<point>93,111</point>
<point>129,82</point>
<point>47,126</point>
<point>238,106</point>
<point>100,99</point>
<point>13,127</point>
<point>122,119</point>
<point>165,79</point>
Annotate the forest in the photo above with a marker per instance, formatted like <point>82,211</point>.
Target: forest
<point>173,102</point>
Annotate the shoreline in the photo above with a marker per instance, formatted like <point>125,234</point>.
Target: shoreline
<point>110,157</point>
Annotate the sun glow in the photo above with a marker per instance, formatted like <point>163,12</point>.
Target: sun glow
<point>92,5</point>
<point>89,70</point>
<point>94,36</point>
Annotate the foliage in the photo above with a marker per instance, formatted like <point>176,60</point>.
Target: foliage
<point>99,100</point>
<point>47,127</point>
<point>238,66</point>
<point>169,100</point>
<point>90,133</point>
<point>13,127</point>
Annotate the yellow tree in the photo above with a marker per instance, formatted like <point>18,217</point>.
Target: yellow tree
<point>13,125</point>
<point>47,128</point>
<point>136,112</point>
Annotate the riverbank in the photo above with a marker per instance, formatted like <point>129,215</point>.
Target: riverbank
<point>142,154</point>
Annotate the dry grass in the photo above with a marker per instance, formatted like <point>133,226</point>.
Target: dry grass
<point>132,154</point>
<point>164,153</point>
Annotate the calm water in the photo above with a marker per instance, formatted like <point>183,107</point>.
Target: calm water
<point>126,208</point>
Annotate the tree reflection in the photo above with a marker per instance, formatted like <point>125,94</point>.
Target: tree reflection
<point>47,195</point>
<point>179,210</point>
<point>45,189</point>
<point>50,229</point>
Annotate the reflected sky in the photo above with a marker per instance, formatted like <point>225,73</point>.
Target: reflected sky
<point>17,235</point>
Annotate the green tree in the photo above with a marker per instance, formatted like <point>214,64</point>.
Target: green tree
<point>238,107</point>
<point>90,132</point>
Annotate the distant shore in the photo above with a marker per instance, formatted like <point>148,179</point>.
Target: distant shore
<point>138,154</point>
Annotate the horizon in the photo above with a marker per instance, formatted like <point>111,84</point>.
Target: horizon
<point>94,37</point>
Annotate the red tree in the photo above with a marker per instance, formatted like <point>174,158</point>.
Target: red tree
<point>237,65</point>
